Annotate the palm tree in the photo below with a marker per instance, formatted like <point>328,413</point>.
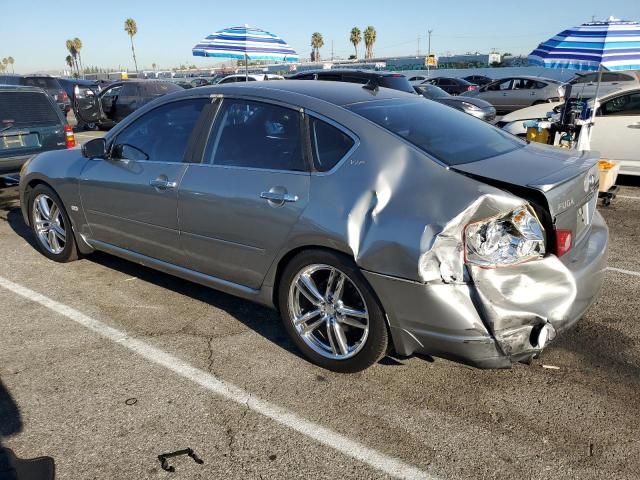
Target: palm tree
<point>5,62</point>
<point>74,54</point>
<point>153,66</point>
<point>69,60</point>
<point>11,61</point>
<point>369,40</point>
<point>77,44</point>
<point>131,28</point>
<point>317,42</point>
<point>356,38</point>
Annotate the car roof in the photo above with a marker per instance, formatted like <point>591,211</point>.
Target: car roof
<point>295,91</point>
<point>21,88</point>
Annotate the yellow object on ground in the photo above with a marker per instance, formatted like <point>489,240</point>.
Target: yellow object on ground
<point>540,135</point>
<point>609,170</point>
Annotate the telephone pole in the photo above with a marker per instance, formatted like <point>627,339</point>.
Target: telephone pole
<point>418,54</point>
<point>429,52</point>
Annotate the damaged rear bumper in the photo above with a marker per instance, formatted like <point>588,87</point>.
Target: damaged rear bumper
<point>491,321</point>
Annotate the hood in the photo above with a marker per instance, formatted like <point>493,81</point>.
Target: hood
<point>535,165</point>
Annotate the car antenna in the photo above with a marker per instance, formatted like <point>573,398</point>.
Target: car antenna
<point>371,85</point>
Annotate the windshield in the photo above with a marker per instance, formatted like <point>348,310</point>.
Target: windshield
<point>431,91</point>
<point>448,135</point>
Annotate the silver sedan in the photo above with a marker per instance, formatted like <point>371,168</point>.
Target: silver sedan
<point>375,222</point>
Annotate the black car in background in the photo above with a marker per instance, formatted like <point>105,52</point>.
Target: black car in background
<point>478,79</point>
<point>453,86</point>
<point>475,107</point>
<point>105,109</point>
<point>30,123</point>
<point>49,84</point>
<point>395,81</point>
<point>69,85</point>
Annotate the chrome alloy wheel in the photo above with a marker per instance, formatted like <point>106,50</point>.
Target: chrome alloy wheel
<point>328,312</point>
<point>49,224</point>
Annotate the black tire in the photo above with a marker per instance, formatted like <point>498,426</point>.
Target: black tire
<point>69,252</point>
<point>376,344</point>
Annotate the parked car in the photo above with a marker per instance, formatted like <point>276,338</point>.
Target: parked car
<point>616,133</point>
<point>396,81</point>
<point>117,101</point>
<point>49,84</point>
<point>199,82</point>
<point>478,79</point>
<point>584,84</point>
<point>248,78</point>
<point>473,106</point>
<point>69,85</point>
<point>453,86</point>
<point>417,78</point>
<point>509,94</point>
<point>374,220</point>
<point>184,84</point>
<point>30,123</point>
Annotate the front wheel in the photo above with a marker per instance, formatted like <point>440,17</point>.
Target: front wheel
<point>331,313</point>
<point>51,225</point>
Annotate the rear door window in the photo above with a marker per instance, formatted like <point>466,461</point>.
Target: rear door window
<point>256,135</point>
<point>46,83</point>
<point>329,144</point>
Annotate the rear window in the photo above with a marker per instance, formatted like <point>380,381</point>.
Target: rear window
<point>26,109</point>
<point>42,82</point>
<point>448,135</point>
<point>162,88</point>
<point>399,82</point>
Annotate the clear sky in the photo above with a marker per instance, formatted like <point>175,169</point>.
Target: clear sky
<point>34,31</point>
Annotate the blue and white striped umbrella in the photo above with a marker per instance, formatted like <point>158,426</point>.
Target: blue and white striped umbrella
<point>613,45</point>
<point>245,43</point>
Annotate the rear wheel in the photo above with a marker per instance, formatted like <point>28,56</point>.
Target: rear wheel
<point>331,312</point>
<point>51,225</point>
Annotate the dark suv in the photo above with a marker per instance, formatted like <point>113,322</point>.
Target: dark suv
<point>396,81</point>
<point>30,123</point>
<point>49,84</point>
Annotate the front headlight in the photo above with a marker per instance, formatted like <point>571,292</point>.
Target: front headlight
<point>470,106</point>
<point>503,240</point>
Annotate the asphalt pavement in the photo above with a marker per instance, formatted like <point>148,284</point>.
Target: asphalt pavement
<point>105,364</point>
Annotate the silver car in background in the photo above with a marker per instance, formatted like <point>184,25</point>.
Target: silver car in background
<point>513,93</point>
<point>376,222</point>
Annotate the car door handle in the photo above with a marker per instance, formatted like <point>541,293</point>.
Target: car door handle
<point>163,184</point>
<point>279,197</point>
<point>634,125</point>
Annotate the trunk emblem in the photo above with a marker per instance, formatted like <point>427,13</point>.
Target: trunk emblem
<point>566,204</point>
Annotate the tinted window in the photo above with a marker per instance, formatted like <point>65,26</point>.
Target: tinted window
<point>160,88</point>
<point>42,82</point>
<point>623,105</point>
<point>396,82</point>
<point>163,133</point>
<point>26,108</point>
<point>113,91</point>
<point>328,144</point>
<point>501,85</point>
<point>129,90</point>
<point>256,135</point>
<point>438,130</point>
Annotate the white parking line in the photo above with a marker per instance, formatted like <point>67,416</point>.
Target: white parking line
<point>622,270</point>
<point>628,196</point>
<point>389,465</point>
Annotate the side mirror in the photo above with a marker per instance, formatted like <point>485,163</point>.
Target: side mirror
<point>96,148</point>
